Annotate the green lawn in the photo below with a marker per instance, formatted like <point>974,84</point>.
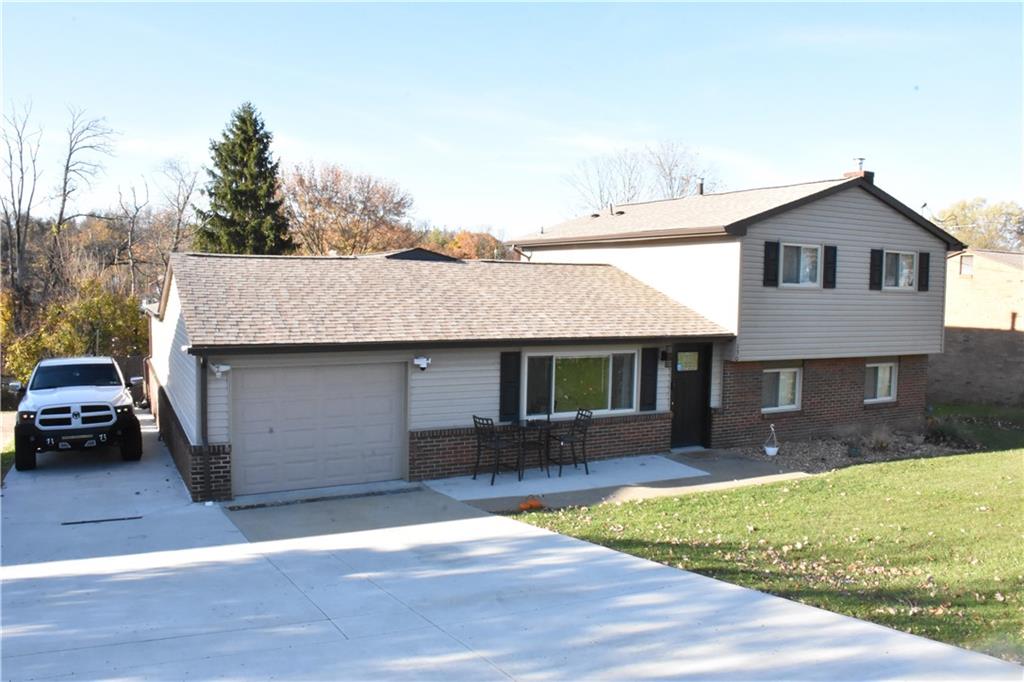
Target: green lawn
<point>6,458</point>
<point>932,546</point>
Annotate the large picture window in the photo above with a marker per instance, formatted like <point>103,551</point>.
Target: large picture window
<point>801,265</point>
<point>900,270</point>
<point>880,382</point>
<point>563,383</point>
<point>780,389</point>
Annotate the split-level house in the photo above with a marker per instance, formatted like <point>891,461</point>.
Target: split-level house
<point>690,322</point>
<point>828,289</point>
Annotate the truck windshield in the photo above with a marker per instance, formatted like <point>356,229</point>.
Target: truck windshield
<point>90,374</point>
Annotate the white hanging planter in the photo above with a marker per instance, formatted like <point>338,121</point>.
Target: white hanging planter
<point>771,446</point>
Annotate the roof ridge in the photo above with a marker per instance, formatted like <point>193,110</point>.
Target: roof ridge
<point>203,254</point>
<point>734,191</point>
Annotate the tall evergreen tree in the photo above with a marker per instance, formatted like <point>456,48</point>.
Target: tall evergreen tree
<point>245,213</point>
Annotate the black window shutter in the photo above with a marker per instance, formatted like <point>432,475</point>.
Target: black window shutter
<point>649,379</point>
<point>508,404</point>
<point>923,270</point>
<point>771,264</point>
<point>828,279</point>
<point>875,276</point>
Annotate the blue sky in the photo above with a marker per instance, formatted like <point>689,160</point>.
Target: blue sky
<point>480,111</point>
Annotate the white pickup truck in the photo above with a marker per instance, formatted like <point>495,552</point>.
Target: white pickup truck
<point>75,404</point>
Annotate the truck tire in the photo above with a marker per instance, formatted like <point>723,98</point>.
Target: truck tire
<point>131,445</point>
<point>24,454</point>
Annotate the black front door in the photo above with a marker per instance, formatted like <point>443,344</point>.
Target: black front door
<point>691,389</point>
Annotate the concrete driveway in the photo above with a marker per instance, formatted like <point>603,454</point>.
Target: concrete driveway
<point>438,591</point>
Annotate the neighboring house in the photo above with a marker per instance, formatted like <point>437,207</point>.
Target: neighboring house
<point>277,373</point>
<point>983,361</point>
<point>827,286</point>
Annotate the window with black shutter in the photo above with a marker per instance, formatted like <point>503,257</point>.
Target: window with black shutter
<point>508,404</point>
<point>649,379</point>
<point>828,277</point>
<point>923,270</point>
<point>875,270</point>
<point>771,264</point>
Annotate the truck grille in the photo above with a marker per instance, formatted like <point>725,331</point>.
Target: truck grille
<point>72,416</point>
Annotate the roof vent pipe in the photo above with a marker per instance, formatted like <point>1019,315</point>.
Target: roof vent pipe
<point>700,186</point>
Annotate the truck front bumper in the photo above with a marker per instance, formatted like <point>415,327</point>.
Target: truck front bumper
<point>82,438</point>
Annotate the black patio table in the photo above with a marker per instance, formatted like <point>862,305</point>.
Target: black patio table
<point>534,434</point>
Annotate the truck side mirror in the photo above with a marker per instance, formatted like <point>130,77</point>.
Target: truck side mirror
<point>17,387</point>
<point>135,381</point>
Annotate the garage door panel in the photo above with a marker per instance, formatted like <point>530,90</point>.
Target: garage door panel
<point>318,426</point>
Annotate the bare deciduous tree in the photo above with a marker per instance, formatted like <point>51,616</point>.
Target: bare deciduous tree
<point>618,178</point>
<point>666,171</point>
<point>21,151</point>
<point>87,138</point>
<point>676,171</point>
<point>131,215</point>
<point>176,220</point>
<point>332,209</point>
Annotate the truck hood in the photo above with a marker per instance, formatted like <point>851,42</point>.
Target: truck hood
<point>74,395</point>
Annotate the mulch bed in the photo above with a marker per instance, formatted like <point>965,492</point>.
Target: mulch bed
<point>826,454</point>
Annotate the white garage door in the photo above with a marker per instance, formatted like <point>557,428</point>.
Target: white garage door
<point>309,427</point>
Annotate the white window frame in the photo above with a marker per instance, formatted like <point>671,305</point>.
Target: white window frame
<point>782,262</point>
<point>885,260</point>
<point>969,270</point>
<point>635,352</point>
<point>799,389</point>
<point>895,382</point>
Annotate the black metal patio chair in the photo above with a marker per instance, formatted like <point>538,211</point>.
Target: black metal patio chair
<point>490,439</point>
<point>576,435</point>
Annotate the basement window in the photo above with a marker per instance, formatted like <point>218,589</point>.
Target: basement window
<point>780,389</point>
<point>880,382</point>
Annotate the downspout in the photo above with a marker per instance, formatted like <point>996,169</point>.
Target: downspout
<point>203,432</point>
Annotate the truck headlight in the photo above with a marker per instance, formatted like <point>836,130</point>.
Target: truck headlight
<point>124,409</point>
<point>26,416</point>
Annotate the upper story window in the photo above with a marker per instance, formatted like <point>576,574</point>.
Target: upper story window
<point>800,265</point>
<point>900,270</point>
<point>880,382</point>
<point>780,389</point>
<point>561,383</point>
<point>966,265</point>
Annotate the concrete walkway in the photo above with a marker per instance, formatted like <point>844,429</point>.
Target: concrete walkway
<point>439,591</point>
<point>720,470</point>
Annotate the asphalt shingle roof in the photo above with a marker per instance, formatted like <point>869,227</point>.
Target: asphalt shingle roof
<point>230,301</point>
<point>700,213</point>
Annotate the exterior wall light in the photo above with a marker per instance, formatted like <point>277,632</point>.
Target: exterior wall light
<point>421,361</point>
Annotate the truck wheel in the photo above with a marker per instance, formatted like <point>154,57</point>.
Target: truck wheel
<point>131,445</point>
<point>24,454</point>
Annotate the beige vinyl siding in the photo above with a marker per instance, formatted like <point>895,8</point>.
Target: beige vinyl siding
<point>175,369</point>
<point>702,274</point>
<point>218,408</point>
<point>457,385</point>
<point>850,320</point>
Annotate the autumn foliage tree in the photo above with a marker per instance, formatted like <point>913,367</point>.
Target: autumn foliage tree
<point>331,209</point>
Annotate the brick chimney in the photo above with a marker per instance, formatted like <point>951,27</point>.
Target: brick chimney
<point>869,176</point>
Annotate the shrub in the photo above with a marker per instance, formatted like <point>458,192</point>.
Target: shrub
<point>94,322</point>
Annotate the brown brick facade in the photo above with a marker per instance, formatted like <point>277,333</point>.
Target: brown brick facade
<point>205,471</point>
<point>439,453</point>
<point>832,401</point>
